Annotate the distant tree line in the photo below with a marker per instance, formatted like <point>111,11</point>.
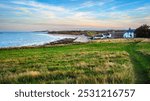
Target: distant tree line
<point>143,31</point>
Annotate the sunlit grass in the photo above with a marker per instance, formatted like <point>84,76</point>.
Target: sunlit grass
<point>93,62</point>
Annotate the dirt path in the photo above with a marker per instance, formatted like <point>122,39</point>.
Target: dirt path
<point>140,62</point>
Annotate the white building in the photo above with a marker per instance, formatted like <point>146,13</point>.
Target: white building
<point>103,36</point>
<point>129,34</point>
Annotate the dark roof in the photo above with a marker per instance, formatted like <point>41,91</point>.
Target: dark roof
<point>100,35</point>
<point>130,31</point>
<point>106,34</point>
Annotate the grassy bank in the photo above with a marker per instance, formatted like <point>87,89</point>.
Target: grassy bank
<point>118,61</point>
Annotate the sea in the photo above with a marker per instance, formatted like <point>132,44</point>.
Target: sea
<point>19,39</point>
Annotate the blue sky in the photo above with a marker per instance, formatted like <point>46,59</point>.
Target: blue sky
<point>28,15</point>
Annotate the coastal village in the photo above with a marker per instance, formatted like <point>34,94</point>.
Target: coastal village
<point>86,36</point>
<point>100,34</point>
<point>112,34</point>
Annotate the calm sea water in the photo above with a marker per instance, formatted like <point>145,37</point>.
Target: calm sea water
<point>18,39</point>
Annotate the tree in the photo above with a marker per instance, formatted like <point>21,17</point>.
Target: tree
<point>143,31</point>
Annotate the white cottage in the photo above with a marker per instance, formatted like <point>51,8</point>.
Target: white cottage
<point>129,34</point>
<point>102,36</point>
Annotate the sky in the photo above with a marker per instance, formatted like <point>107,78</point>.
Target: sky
<point>36,15</point>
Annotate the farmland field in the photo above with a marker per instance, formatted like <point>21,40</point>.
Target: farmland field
<point>99,62</point>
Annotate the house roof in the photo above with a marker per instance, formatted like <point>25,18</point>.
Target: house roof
<point>130,31</point>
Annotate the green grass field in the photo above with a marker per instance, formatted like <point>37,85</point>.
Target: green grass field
<point>118,62</point>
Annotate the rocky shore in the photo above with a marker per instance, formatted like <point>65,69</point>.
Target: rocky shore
<point>78,39</point>
<point>62,41</point>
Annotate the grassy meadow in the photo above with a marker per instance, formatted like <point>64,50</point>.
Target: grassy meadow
<point>99,62</point>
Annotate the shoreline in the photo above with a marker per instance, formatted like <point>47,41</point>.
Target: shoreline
<point>70,41</point>
<point>54,43</point>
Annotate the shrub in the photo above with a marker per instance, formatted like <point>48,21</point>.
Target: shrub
<point>143,31</point>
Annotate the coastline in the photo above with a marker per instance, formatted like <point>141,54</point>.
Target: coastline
<point>58,42</point>
<point>74,40</point>
<point>71,41</point>
<point>39,40</point>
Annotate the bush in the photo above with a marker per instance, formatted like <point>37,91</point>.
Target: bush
<point>143,31</point>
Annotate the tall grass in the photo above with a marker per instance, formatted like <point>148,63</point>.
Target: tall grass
<point>91,63</point>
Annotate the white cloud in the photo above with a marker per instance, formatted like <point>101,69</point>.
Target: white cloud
<point>142,8</point>
<point>88,4</point>
<point>40,5</point>
<point>40,15</point>
<point>124,5</point>
<point>93,3</point>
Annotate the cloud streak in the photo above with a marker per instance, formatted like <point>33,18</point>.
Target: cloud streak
<point>89,14</point>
